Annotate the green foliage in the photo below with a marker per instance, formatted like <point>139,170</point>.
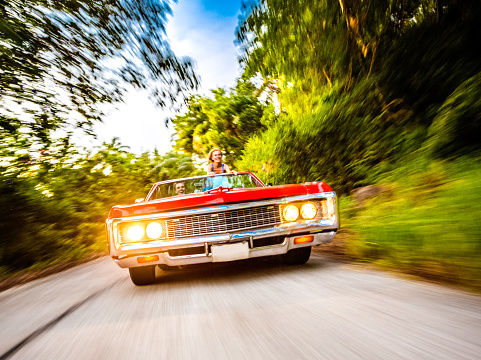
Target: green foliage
<point>426,223</point>
<point>172,166</point>
<point>258,156</point>
<point>360,84</point>
<point>52,209</point>
<point>324,41</point>
<point>60,59</point>
<point>345,140</point>
<point>456,127</point>
<point>227,121</point>
<point>428,63</point>
<point>283,37</point>
<point>377,92</point>
<point>360,92</point>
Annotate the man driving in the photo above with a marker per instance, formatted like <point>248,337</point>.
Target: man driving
<point>180,188</point>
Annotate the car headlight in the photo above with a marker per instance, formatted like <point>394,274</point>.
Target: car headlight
<point>154,230</point>
<point>308,211</point>
<point>135,233</point>
<point>290,213</point>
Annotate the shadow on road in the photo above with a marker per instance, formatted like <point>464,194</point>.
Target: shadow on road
<point>241,269</point>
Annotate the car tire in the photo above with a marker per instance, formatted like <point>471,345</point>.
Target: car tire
<point>297,256</point>
<point>143,275</point>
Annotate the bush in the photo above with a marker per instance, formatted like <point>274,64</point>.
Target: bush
<point>429,228</point>
<point>456,127</point>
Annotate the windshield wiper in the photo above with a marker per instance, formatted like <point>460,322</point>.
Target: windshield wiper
<point>219,189</point>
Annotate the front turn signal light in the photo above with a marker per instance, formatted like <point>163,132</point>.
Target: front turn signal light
<point>291,213</point>
<point>147,259</point>
<point>303,239</point>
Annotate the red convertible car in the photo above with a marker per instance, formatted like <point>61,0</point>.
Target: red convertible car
<point>220,218</point>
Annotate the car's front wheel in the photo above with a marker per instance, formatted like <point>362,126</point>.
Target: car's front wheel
<point>143,275</point>
<point>297,256</point>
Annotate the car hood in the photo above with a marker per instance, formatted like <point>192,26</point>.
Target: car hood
<point>217,197</point>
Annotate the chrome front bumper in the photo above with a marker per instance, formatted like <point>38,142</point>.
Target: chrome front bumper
<point>128,256</point>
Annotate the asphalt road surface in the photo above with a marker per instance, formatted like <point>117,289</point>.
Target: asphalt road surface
<point>254,309</point>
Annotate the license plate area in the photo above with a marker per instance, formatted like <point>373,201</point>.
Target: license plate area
<point>230,252</point>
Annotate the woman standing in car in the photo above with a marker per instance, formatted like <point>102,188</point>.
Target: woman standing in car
<point>215,165</point>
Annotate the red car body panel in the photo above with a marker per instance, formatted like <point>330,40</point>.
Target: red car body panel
<point>217,197</point>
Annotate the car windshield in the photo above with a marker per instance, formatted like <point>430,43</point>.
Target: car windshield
<point>202,184</point>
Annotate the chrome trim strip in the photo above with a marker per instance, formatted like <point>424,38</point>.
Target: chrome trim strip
<point>193,256</point>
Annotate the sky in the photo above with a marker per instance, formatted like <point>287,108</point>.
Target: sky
<point>200,29</point>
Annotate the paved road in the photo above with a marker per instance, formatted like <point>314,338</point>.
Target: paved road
<point>255,309</point>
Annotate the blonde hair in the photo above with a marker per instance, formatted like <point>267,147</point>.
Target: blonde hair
<point>211,153</point>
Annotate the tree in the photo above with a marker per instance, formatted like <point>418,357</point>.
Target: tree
<point>53,207</point>
<point>360,82</point>
<point>227,121</point>
<point>457,125</point>
<point>60,59</point>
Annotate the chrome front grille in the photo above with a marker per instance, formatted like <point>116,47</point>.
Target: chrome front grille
<point>222,222</point>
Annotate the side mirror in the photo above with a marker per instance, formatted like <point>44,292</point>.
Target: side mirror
<point>139,200</point>
<point>269,184</point>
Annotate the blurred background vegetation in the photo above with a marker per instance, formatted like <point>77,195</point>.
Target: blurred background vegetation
<point>380,99</point>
